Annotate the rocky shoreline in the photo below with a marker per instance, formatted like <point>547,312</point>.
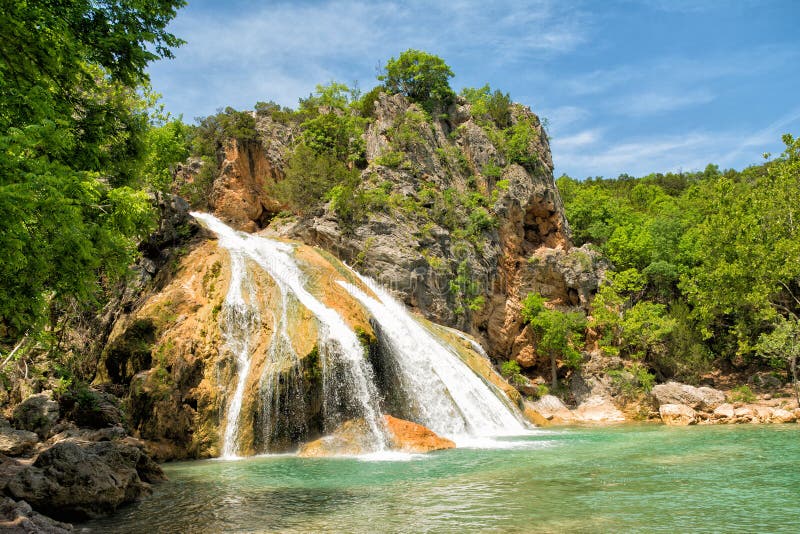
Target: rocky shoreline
<point>52,468</point>
<point>672,403</point>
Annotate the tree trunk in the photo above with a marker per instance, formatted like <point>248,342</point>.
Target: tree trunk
<point>554,371</point>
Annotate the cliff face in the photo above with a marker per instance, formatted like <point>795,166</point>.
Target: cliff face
<point>465,228</point>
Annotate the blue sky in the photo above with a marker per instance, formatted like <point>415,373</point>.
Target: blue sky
<point>626,87</point>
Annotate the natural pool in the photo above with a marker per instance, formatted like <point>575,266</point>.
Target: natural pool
<point>632,478</point>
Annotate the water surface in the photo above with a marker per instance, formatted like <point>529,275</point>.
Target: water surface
<point>647,478</point>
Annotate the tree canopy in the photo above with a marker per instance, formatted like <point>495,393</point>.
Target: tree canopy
<point>74,123</point>
<point>422,77</point>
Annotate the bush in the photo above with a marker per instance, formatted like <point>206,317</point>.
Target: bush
<point>741,394</point>
<point>310,177</point>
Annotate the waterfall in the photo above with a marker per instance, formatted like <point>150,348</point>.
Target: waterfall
<point>426,377</point>
<point>449,397</point>
<point>348,384</point>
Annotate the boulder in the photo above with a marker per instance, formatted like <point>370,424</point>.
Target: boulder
<point>677,414</point>
<point>91,408</point>
<point>38,413</point>
<point>14,442</point>
<point>551,408</point>
<point>19,517</point>
<point>598,410</point>
<point>779,415</point>
<point>352,438</point>
<point>723,411</point>
<point>75,480</point>
<point>744,414</point>
<point>411,437</point>
<point>702,398</point>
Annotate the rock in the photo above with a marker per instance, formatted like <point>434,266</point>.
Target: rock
<point>724,411</point>
<point>744,414</point>
<point>19,518</point>
<point>76,481</point>
<point>598,410</point>
<point>779,415</point>
<point>552,409</point>
<point>702,398</point>
<point>350,439</point>
<point>762,414</point>
<point>14,442</point>
<point>92,408</point>
<point>411,437</point>
<point>38,413</point>
<point>534,416</point>
<point>677,414</point>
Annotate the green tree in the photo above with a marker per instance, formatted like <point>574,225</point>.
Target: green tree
<point>73,134</point>
<point>422,77</point>
<point>560,333</point>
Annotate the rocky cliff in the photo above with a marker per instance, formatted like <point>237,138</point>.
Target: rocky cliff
<point>463,218</point>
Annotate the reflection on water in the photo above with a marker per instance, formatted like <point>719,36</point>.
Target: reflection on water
<point>633,479</point>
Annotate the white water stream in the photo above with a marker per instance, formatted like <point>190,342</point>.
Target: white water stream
<point>448,396</point>
<point>443,393</point>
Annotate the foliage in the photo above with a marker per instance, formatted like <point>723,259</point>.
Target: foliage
<point>310,177</point>
<point>496,106</point>
<point>73,150</point>
<point>512,372</point>
<point>715,256</point>
<point>742,394</point>
<point>633,380</point>
<point>420,76</point>
<point>560,334</point>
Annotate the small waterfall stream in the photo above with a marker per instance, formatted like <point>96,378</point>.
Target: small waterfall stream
<point>438,389</point>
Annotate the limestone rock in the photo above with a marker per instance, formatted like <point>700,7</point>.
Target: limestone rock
<point>411,437</point>
<point>677,414</point>
<point>75,481</point>
<point>702,398</point>
<point>724,411</point>
<point>19,518</point>
<point>598,410</point>
<point>779,415</point>
<point>552,409</point>
<point>38,413</point>
<point>14,442</point>
<point>352,439</point>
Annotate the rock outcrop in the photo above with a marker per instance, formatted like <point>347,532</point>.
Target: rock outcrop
<point>677,414</point>
<point>702,398</point>
<point>73,480</point>
<point>20,518</point>
<point>38,413</point>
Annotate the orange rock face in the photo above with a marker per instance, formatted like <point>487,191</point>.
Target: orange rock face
<point>240,195</point>
<point>411,437</point>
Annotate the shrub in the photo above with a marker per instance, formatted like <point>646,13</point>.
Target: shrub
<point>742,394</point>
<point>310,176</point>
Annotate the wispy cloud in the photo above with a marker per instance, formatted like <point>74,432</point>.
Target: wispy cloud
<point>291,46</point>
<point>654,102</point>
<point>578,140</point>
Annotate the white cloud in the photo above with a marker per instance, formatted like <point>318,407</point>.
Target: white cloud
<point>654,102</point>
<point>289,47</point>
<point>578,140</point>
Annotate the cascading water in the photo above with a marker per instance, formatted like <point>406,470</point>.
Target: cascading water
<point>348,384</point>
<point>240,318</point>
<point>448,397</point>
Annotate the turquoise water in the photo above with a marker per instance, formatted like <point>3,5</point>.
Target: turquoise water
<point>645,478</point>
